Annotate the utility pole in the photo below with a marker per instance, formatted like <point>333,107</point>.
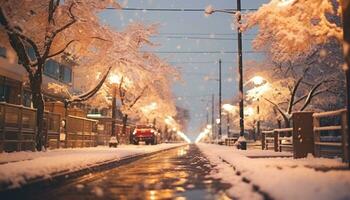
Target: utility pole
<point>220,109</point>
<point>212,115</point>
<point>228,124</point>
<point>240,72</point>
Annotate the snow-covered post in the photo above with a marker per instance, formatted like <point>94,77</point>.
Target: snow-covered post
<point>303,134</point>
<point>346,28</point>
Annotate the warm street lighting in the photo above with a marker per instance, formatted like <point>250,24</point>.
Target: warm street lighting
<point>229,108</point>
<point>114,79</point>
<point>257,80</point>
<point>249,111</point>
<point>283,3</point>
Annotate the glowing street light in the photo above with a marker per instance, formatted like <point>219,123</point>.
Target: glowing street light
<point>283,3</point>
<point>229,108</point>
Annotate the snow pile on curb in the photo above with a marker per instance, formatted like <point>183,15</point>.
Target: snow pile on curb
<point>19,167</point>
<point>281,178</point>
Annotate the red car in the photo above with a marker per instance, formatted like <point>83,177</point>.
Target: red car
<point>147,134</point>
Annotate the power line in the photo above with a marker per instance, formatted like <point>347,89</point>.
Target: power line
<point>198,38</point>
<point>198,62</point>
<point>203,34</point>
<point>202,52</point>
<point>179,9</point>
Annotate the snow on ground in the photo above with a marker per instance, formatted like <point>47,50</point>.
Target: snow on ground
<point>281,178</point>
<point>19,167</point>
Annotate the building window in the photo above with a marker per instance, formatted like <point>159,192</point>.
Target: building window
<point>52,69</point>
<point>2,52</point>
<point>27,99</point>
<point>5,93</point>
<point>65,74</point>
<point>31,53</point>
<point>58,71</point>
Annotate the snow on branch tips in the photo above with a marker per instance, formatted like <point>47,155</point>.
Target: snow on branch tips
<point>289,29</point>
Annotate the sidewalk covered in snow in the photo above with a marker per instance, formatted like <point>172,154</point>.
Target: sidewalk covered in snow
<point>279,177</point>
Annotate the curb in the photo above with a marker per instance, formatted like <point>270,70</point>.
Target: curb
<point>59,178</point>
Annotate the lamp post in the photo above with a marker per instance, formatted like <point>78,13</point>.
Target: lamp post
<point>220,101</point>
<point>209,11</point>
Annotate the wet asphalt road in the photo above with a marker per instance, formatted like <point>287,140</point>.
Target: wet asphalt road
<point>180,173</point>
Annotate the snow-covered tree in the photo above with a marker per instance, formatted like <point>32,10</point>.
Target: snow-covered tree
<point>289,29</point>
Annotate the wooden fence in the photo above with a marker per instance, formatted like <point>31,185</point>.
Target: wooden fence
<point>310,135</point>
<point>18,129</point>
<point>81,132</point>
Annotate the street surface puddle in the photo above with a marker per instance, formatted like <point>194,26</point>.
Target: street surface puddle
<point>180,173</point>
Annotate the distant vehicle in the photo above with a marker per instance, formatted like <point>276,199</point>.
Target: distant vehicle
<point>145,133</point>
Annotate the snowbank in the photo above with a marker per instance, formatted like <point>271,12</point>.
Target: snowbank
<point>19,167</point>
<point>281,178</point>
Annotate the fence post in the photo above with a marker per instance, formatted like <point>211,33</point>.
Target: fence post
<point>317,137</point>
<point>263,141</point>
<point>303,136</point>
<point>344,132</point>
<point>19,134</point>
<point>275,140</point>
<point>2,127</point>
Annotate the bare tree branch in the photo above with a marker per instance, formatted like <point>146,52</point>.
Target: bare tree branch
<point>311,95</point>
<point>62,50</point>
<point>52,8</point>
<point>293,93</point>
<point>284,115</point>
<point>51,36</point>
<point>138,97</point>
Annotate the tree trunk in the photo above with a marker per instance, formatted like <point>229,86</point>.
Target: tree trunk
<point>287,123</point>
<point>125,121</point>
<point>38,103</point>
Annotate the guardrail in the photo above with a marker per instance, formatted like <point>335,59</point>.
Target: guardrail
<point>308,135</point>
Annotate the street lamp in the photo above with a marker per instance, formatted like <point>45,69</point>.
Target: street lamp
<point>210,10</point>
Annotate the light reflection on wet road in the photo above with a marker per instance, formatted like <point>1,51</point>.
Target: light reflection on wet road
<point>175,174</point>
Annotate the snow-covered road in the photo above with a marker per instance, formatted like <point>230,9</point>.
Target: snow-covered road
<point>19,167</point>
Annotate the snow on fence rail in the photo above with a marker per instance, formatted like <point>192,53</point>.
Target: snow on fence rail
<point>310,135</point>
<point>278,138</point>
<point>18,128</point>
